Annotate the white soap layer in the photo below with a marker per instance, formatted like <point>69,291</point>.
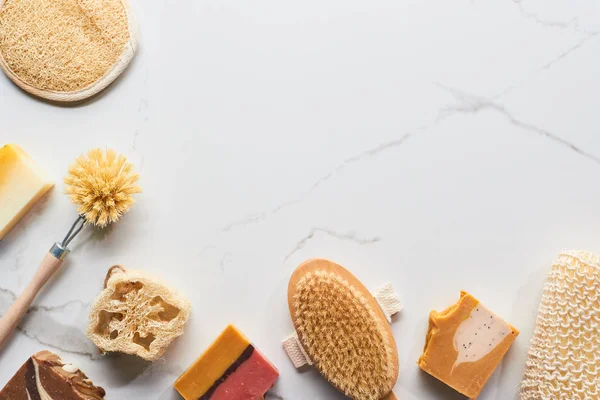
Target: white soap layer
<point>478,335</point>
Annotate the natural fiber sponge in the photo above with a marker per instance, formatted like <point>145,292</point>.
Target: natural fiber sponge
<point>65,50</point>
<point>343,330</point>
<point>564,357</point>
<point>136,314</point>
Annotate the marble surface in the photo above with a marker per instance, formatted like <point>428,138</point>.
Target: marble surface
<point>438,145</point>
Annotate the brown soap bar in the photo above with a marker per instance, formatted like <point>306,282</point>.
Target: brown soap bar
<point>45,376</point>
<point>464,345</point>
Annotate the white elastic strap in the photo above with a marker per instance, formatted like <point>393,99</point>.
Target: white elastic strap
<point>295,352</point>
<point>389,301</point>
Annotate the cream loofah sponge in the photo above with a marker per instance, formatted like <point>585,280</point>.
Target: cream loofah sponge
<point>564,357</point>
<point>65,50</point>
<point>136,314</point>
<point>343,330</point>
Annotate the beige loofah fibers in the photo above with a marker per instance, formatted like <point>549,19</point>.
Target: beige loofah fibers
<point>62,45</point>
<point>136,313</point>
<point>343,336</point>
<point>564,357</point>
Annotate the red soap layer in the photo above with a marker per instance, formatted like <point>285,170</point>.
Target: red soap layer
<point>250,381</point>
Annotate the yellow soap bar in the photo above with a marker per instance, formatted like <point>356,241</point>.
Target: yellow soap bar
<point>22,184</point>
<point>215,361</point>
<point>464,345</point>
<point>231,369</point>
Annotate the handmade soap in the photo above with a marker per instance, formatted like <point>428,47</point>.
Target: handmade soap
<point>231,369</point>
<point>564,357</point>
<point>464,344</point>
<point>22,184</point>
<point>44,376</point>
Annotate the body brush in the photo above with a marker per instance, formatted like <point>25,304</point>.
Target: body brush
<point>102,185</point>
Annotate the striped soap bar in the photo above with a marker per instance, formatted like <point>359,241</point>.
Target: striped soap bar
<point>230,369</point>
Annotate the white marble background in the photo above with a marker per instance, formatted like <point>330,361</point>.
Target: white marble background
<point>440,145</point>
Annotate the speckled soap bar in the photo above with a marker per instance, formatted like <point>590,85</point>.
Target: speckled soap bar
<point>464,345</point>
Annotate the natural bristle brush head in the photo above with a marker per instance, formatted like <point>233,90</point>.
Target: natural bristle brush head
<point>343,330</point>
<point>102,185</point>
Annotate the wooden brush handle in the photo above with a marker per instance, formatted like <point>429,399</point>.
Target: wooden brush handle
<point>390,396</point>
<point>50,264</point>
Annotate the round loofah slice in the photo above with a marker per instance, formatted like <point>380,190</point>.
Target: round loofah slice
<point>343,330</point>
<point>65,50</point>
<point>136,314</point>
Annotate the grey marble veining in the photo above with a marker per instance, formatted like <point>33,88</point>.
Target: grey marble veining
<point>437,145</point>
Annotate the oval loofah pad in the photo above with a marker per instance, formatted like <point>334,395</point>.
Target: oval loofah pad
<point>136,314</point>
<point>65,50</point>
<point>343,330</point>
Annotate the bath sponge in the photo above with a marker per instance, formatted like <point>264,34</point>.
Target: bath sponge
<point>343,330</point>
<point>136,314</point>
<point>65,50</point>
<point>564,356</point>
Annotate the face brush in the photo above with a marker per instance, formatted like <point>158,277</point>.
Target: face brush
<point>102,185</point>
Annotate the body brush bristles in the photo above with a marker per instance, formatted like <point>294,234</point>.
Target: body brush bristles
<point>102,185</point>
<point>341,334</point>
<point>342,330</point>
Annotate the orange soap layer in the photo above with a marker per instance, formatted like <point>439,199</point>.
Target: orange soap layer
<point>464,345</point>
<point>22,184</point>
<point>211,365</point>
